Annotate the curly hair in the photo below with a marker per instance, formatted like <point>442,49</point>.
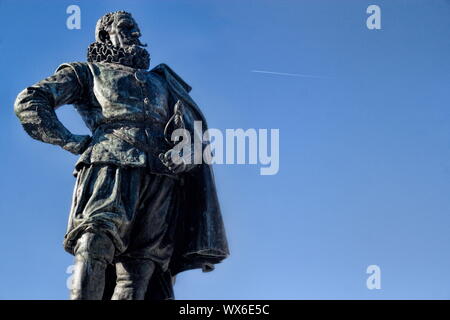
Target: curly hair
<point>104,24</point>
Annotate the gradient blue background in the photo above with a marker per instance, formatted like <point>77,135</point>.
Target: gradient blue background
<point>364,151</point>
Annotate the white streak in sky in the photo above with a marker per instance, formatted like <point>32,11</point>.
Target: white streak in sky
<point>290,74</point>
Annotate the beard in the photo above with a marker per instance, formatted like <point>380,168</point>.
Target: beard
<point>133,56</point>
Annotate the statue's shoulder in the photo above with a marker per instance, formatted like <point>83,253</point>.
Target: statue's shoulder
<point>76,66</point>
<point>86,71</point>
<point>81,70</point>
<point>170,76</point>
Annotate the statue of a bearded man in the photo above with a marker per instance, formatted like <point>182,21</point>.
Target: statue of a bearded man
<point>137,218</point>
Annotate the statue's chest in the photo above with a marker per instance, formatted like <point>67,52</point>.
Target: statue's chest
<point>154,92</point>
<point>133,91</point>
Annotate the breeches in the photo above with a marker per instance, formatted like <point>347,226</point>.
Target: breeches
<point>133,208</point>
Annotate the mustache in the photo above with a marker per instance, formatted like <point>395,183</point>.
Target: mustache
<point>135,41</point>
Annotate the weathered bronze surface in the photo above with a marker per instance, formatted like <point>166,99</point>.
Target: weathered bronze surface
<point>137,218</point>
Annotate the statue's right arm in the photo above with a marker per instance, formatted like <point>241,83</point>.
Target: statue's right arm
<point>35,107</point>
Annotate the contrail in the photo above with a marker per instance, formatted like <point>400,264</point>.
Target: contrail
<point>291,74</point>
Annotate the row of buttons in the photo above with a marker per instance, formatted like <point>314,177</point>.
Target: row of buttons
<point>140,77</point>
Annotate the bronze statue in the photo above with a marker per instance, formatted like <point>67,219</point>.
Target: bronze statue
<point>138,218</point>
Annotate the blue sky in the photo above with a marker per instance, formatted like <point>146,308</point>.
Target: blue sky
<point>364,147</point>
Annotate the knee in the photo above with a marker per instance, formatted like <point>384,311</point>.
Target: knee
<point>97,246</point>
